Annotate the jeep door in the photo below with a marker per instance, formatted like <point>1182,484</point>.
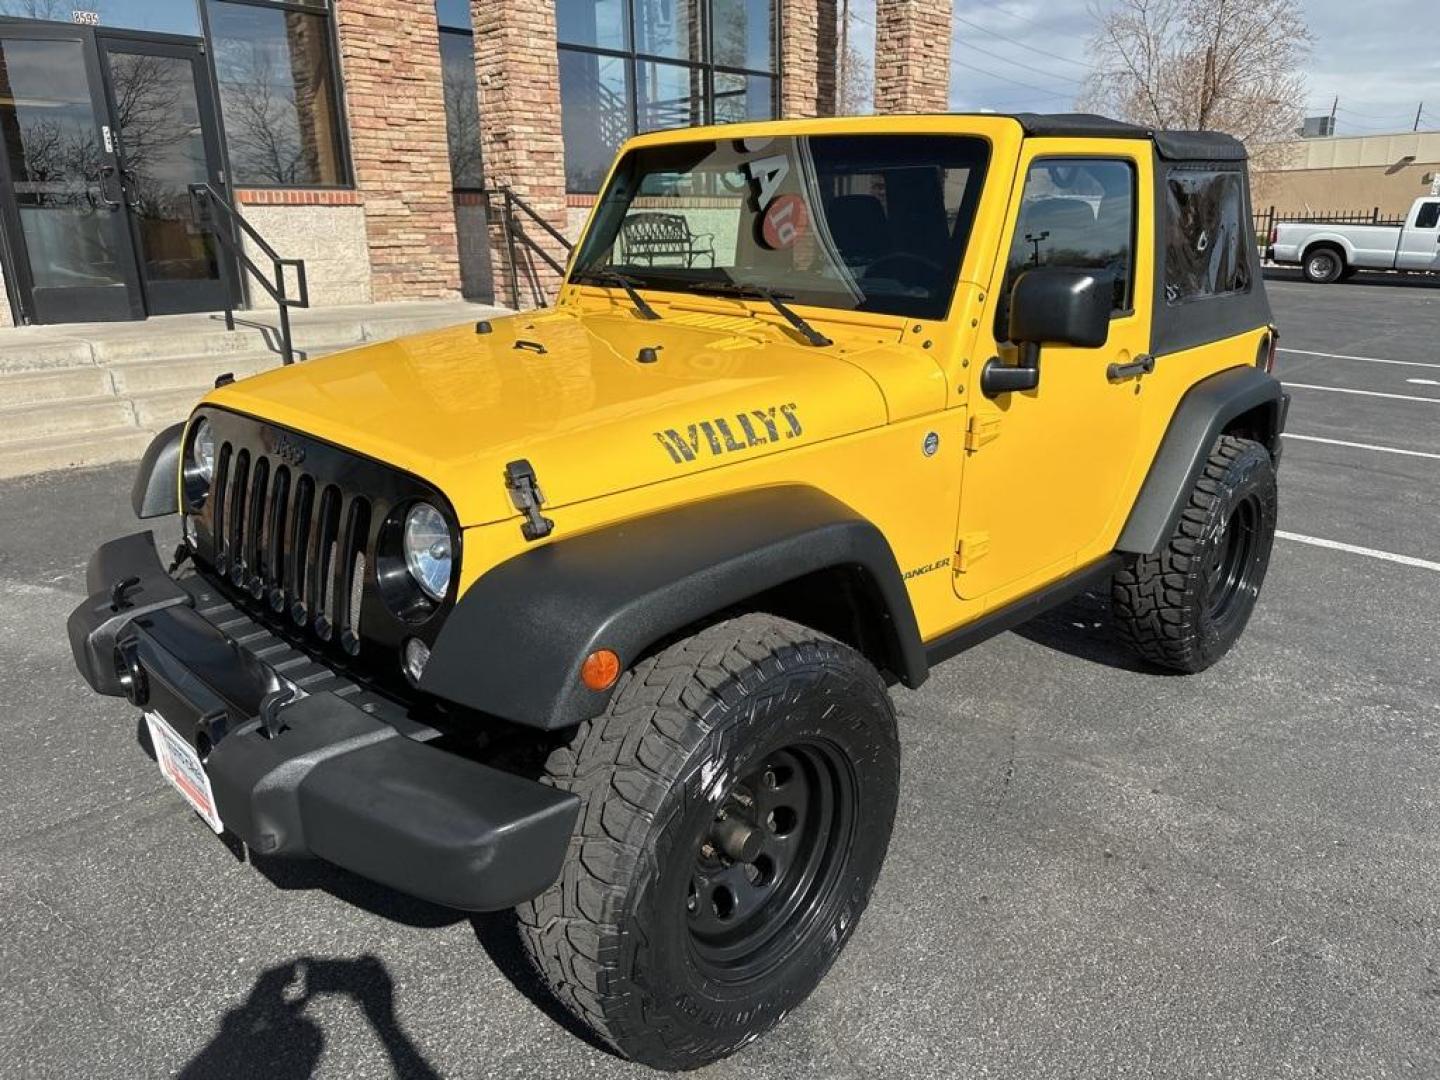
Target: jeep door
<point>1045,469</point>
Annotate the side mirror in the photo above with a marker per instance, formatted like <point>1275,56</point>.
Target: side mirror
<point>1051,306</point>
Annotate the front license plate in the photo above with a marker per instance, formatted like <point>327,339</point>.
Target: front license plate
<point>180,764</point>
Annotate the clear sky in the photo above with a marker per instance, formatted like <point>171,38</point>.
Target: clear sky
<point>1382,57</point>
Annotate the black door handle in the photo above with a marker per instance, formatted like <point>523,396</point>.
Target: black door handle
<point>1141,365</point>
<point>107,171</point>
<point>127,188</point>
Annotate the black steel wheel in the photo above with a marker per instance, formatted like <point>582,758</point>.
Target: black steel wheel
<point>780,839</point>
<point>738,799</point>
<point>1230,563</point>
<point>1184,606</point>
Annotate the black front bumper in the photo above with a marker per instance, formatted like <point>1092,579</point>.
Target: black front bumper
<point>303,763</point>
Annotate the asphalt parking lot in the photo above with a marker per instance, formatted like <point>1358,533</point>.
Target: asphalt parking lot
<point>1097,870</point>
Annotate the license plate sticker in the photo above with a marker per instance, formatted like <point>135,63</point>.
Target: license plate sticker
<point>180,764</point>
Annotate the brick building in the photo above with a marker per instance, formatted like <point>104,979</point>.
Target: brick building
<point>368,137</point>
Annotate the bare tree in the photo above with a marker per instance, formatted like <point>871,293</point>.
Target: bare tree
<point>1205,65</point>
<point>855,70</point>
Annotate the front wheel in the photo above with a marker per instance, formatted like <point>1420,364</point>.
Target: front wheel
<point>1184,606</point>
<point>738,797</point>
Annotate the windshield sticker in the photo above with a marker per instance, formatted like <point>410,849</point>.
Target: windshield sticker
<point>719,436</point>
<point>767,174</point>
<point>784,222</point>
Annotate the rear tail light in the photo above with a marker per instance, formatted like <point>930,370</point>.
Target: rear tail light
<point>1274,234</point>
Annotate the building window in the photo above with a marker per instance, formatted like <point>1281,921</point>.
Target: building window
<point>462,105</point>
<point>158,16</point>
<point>275,67</point>
<point>641,65</point>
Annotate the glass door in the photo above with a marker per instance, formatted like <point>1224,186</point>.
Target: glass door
<point>69,234</point>
<point>165,140</point>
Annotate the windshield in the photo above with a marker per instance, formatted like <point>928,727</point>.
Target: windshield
<point>857,222</point>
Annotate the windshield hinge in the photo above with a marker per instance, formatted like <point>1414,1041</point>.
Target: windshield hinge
<point>971,549</point>
<point>525,493</point>
<point>982,429</point>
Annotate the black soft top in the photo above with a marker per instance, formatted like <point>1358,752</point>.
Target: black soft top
<point>1171,145</point>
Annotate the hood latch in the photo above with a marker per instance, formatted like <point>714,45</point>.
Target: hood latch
<point>525,493</point>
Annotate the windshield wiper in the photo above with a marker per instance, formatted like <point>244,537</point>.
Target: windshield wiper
<point>626,282</point>
<point>775,299</point>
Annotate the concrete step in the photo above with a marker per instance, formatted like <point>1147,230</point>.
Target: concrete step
<point>101,447</point>
<point>44,348</point>
<point>195,372</point>
<point>61,384</point>
<point>22,352</point>
<point>161,408</point>
<point>75,418</point>
<point>91,395</point>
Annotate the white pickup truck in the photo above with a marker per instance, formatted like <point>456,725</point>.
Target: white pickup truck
<point>1328,252</point>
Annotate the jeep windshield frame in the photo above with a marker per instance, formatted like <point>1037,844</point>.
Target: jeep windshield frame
<point>857,222</point>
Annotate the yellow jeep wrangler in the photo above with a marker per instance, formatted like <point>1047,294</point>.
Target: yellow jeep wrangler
<point>592,611</point>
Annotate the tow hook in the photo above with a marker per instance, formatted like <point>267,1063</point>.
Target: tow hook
<point>129,673</point>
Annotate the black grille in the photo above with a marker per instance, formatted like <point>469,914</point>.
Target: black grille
<point>298,529</point>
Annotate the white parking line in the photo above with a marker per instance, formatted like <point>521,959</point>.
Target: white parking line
<point>1363,393</point>
<point>1363,446</point>
<point>1355,549</point>
<point>1423,382</point>
<point>1367,359</point>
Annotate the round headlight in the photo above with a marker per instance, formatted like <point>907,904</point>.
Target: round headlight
<point>202,450</point>
<point>427,550</point>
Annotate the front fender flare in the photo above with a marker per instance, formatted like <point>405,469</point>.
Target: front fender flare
<point>514,644</point>
<point>1202,416</point>
<point>157,483</point>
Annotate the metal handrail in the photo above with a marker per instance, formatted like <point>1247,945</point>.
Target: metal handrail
<point>205,205</point>
<point>514,234</point>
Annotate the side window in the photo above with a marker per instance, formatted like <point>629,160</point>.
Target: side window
<point>1205,234</point>
<point>1429,216</point>
<point>1076,213</point>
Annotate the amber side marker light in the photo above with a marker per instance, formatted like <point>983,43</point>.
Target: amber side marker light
<point>600,669</point>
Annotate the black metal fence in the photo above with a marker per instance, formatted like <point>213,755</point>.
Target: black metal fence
<point>1268,218</point>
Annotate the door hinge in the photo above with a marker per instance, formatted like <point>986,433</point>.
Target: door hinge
<point>972,548</point>
<point>982,429</point>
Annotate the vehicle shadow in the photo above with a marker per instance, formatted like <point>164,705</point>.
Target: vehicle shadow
<point>370,896</point>
<point>270,1036</point>
<point>499,935</point>
<point>1364,277</point>
<point>1083,628</point>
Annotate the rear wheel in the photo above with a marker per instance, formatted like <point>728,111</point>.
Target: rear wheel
<point>1324,265</point>
<point>738,799</point>
<point>1184,606</point>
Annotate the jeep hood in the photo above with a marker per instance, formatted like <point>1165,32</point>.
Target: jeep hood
<point>570,393</point>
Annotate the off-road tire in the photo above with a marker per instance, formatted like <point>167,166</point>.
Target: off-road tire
<point>615,937</point>
<point>1183,607</point>
<point>1323,265</point>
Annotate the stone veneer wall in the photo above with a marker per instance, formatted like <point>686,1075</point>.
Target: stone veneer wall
<point>390,64</point>
<point>325,228</point>
<point>808,40</point>
<point>517,74</point>
<point>912,56</point>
